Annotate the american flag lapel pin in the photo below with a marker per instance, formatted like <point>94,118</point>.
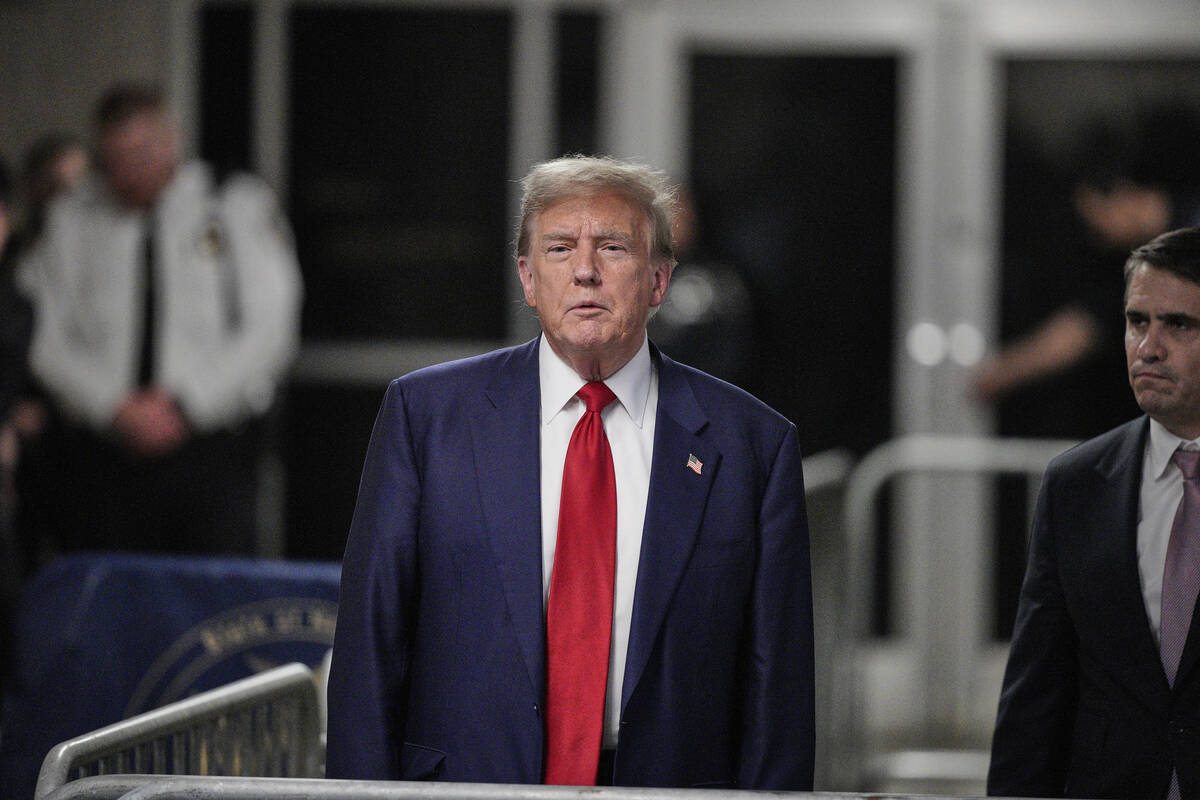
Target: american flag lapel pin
<point>694,464</point>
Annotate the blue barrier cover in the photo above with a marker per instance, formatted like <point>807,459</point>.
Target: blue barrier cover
<point>101,637</point>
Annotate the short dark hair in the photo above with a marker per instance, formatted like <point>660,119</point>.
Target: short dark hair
<point>1177,252</point>
<point>126,100</point>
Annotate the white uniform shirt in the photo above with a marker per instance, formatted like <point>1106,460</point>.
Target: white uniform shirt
<point>629,426</point>
<point>1162,489</point>
<point>228,298</point>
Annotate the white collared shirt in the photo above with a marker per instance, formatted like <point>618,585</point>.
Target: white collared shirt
<point>1162,490</point>
<point>222,252</point>
<point>629,425</point>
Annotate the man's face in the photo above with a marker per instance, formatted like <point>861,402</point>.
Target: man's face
<point>591,278</point>
<point>139,157</point>
<point>1162,348</point>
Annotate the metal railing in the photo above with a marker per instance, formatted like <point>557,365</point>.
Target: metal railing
<point>827,470</point>
<point>265,725</point>
<point>221,732</point>
<point>933,661</point>
<point>824,483</point>
<point>142,787</point>
<point>217,733</point>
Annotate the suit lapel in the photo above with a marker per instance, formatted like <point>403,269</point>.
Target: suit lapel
<point>1115,515</point>
<point>674,511</point>
<point>505,441</point>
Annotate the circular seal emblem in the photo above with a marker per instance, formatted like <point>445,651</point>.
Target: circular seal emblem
<point>234,644</point>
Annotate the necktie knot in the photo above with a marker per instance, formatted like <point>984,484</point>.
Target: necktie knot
<point>1188,462</point>
<point>596,396</point>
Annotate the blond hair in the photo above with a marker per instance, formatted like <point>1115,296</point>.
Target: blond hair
<point>572,176</point>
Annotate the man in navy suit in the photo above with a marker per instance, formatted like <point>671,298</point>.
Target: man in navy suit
<point>1101,696</point>
<point>441,653</point>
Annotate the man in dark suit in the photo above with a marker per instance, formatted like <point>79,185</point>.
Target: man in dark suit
<point>1101,696</point>
<point>469,646</point>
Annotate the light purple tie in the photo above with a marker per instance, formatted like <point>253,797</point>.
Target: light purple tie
<point>1181,576</point>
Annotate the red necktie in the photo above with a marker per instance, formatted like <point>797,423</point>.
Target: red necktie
<point>579,613</point>
<point>1181,576</point>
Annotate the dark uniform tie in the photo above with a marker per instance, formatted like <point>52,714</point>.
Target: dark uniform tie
<point>146,365</point>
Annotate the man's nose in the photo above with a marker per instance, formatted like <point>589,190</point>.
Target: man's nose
<point>587,266</point>
<point>1151,347</point>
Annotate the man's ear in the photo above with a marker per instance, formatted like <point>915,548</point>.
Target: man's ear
<point>525,273</point>
<point>662,279</point>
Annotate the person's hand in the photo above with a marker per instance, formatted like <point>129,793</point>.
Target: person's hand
<point>150,424</point>
<point>10,448</point>
<point>989,380</point>
<point>27,418</point>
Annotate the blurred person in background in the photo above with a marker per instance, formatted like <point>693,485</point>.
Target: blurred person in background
<point>15,325</point>
<point>1102,686</point>
<point>1132,182</point>
<point>15,315</point>
<point>16,320</point>
<point>54,165</point>
<point>707,319</point>
<point>166,303</point>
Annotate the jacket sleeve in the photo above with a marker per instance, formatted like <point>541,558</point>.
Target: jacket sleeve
<point>240,380</point>
<point>71,362</point>
<point>16,327</point>
<point>368,677</point>
<point>778,736</point>
<point>1031,743</point>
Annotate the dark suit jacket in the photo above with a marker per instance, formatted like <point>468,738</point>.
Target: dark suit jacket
<point>1086,710</point>
<point>438,668</point>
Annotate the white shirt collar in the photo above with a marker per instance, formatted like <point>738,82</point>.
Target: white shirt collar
<point>559,382</point>
<point>1163,445</point>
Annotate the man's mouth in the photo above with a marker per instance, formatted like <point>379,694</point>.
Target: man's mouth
<point>1151,375</point>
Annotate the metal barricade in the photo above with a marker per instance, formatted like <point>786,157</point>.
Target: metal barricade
<point>192,788</point>
<point>929,690</point>
<point>824,485</point>
<point>265,725</point>
<point>217,733</point>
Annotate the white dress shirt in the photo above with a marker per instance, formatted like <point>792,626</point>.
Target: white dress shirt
<point>221,253</point>
<point>1162,490</point>
<point>629,425</point>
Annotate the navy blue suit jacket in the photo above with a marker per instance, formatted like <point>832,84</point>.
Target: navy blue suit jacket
<point>439,657</point>
<point>1086,710</point>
